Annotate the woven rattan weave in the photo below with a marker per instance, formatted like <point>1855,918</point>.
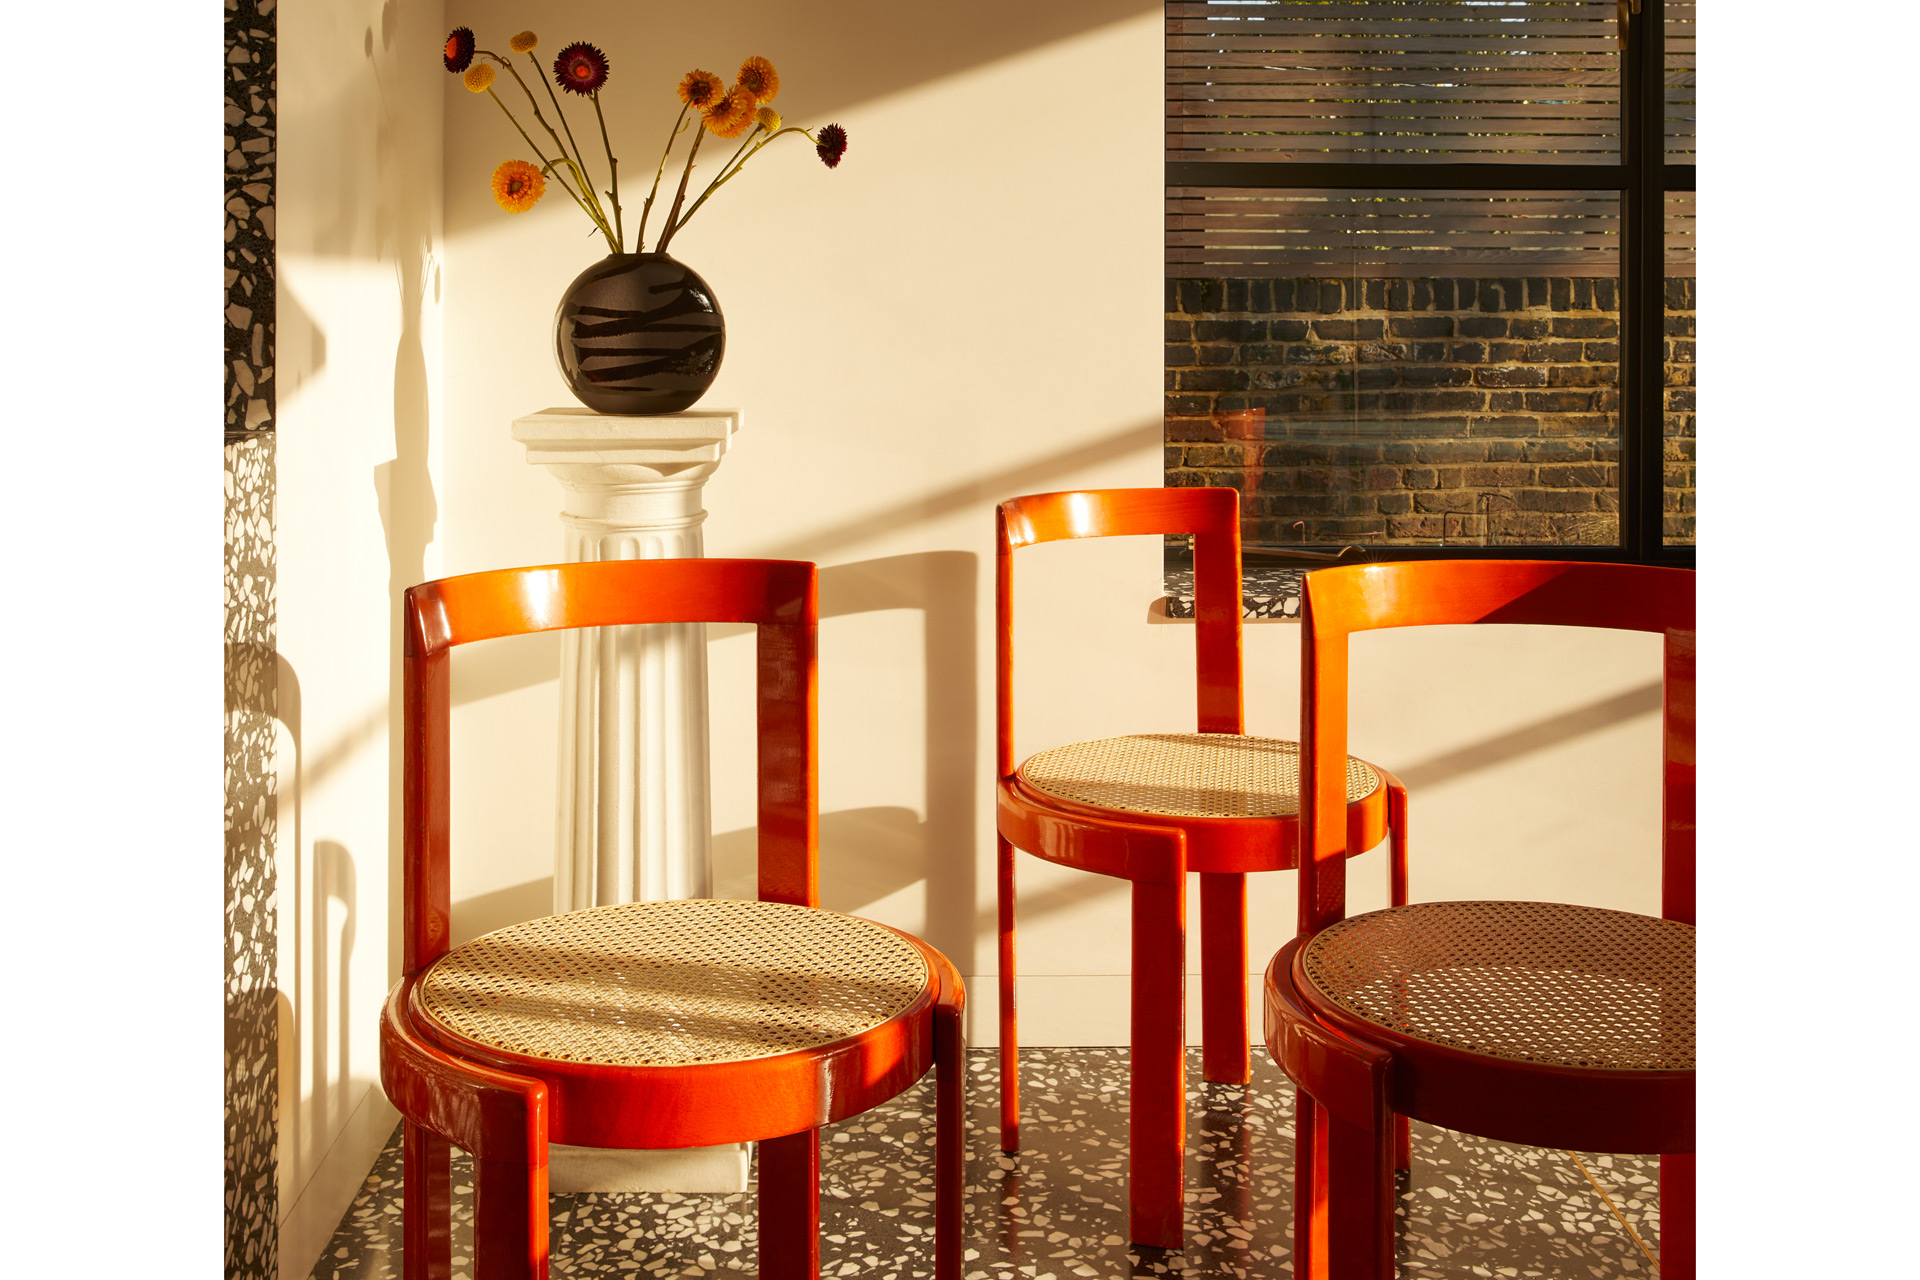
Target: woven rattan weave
<point>1187,775</point>
<point>1528,981</point>
<point>669,983</point>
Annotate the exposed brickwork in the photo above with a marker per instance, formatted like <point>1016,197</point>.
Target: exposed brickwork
<point>1404,411</point>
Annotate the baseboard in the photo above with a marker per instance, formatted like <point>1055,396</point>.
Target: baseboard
<point>309,1221</point>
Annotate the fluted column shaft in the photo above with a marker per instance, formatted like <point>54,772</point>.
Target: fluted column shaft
<point>633,815</point>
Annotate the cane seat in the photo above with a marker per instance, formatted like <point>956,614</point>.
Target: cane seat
<point>1187,775</point>
<point>1540,982</point>
<point>674,983</point>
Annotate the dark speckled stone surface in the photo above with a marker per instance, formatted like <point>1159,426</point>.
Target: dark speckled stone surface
<point>1472,1207</point>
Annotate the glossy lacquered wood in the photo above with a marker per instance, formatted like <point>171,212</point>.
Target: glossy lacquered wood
<point>505,1108</point>
<point>1152,851</point>
<point>1355,1076</point>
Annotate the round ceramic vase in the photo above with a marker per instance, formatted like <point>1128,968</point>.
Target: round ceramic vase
<point>639,333</point>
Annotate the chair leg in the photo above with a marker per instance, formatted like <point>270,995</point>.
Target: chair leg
<point>1309,1188</point>
<point>1677,1239</point>
<point>949,1142</point>
<point>1397,896</point>
<point>1009,1029</point>
<point>1360,1192</point>
<point>1224,1056</point>
<point>790,1207</point>
<point>1157,1137</point>
<point>510,1219</point>
<point>426,1202</point>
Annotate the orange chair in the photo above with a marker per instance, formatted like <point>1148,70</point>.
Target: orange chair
<point>1149,809</point>
<point>657,1024</point>
<point>1538,1023</point>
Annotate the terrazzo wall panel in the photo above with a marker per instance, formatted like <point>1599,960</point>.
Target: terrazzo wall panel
<point>251,1196</point>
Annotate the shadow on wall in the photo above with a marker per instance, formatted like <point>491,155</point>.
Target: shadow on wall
<point>837,56</point>
<point>330,923</point>
<point>492,670</point>
<point>403,234</point>
<point>319,907</point>
<point>871,853</point>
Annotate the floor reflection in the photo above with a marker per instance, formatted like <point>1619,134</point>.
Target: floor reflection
<point>1471,1207</point>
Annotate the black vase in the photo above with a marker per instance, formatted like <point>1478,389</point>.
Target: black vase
<point>639,333</point>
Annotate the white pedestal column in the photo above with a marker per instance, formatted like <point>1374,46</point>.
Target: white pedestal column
<point>634,821</point>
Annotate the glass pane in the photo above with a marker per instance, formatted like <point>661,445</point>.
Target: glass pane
<point>1677,425</point>
<point>1680,81</point>
<point>1398,369</point>
<point>1411,81</point>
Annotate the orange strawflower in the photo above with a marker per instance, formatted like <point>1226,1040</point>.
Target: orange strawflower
<point>701,89</point>
<point>518,186</point>
<point>733,115</point>
<point>758,78</point>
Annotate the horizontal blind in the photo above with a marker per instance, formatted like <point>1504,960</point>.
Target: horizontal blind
<point>1406,81</point>
<point>1218,231</point>
<point>1682,16</point>
<point>1679,236</point>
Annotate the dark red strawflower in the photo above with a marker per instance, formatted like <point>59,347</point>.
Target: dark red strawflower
<point>832,144</point>
<point>459,53</point>
<point>580,68</point>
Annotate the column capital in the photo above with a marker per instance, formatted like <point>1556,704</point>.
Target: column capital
<point>629,471</point>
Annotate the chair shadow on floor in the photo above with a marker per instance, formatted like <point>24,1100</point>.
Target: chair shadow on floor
<point>1472,1205</point>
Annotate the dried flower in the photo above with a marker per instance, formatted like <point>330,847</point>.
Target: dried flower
<point>580,68</point>
<point>831,144</point>
<point>733,115</point>
<point>701,89</point>
<point>518,186</point>
<point>739,112</point>
<point>758,78</point>
<point>459,49</point>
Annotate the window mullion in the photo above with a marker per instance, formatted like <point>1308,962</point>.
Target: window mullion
<point>1643,282</point>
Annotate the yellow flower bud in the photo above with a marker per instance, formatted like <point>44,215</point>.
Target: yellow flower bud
<point>479,77</point>
<point>525,42</point>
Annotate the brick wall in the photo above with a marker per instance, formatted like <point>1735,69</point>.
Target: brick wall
<point>1403,411</point>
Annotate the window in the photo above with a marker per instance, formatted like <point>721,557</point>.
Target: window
<point>1429,274</point>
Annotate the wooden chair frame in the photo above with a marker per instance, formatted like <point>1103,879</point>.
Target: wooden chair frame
<point>1354,1077</point>
<point>1155,852</point>
<point>505,1108</point>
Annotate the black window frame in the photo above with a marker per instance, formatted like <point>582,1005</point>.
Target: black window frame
<point>1643,178</point>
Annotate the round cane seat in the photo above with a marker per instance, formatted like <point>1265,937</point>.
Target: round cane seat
<point>1536,982</point>
<point>1186,775</point>
<point>674,983</point>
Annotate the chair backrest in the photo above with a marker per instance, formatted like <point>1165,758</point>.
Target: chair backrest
<point>780,597</point>
<point>1338,602</point>
<point>1210,516</point>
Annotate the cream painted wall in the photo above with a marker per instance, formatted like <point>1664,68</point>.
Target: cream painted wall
<point>968,308</point>
<point>359,359</point>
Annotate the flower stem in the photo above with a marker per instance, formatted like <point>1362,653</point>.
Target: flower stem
<point>681,194</point>
<point>589,202</point>
<point>613,176</point>
<point>548,84</point>
<point>640,238</point>
<point>553,167</point>
<point>732,167</point>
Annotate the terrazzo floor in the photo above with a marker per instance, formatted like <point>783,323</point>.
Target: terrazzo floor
<point>1471,1207</point>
